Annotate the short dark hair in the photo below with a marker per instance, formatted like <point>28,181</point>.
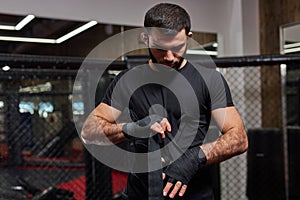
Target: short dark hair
<point>168,16</point>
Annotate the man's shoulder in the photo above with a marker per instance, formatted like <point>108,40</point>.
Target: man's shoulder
<point>207,72</point>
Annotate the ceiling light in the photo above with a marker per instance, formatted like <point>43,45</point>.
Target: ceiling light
<point>50,41</point>
<point>6,68</point>
<point>20,25</point>
<point>7,27</point>
<point>27,39</point>
<point>23,22</point>
<point>76,31</point>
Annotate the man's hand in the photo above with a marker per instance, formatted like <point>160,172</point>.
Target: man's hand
<point>142,127</point>
<point>180,172</point>
<point>178,187</point>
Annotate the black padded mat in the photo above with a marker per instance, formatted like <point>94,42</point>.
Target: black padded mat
<point>20,183</point>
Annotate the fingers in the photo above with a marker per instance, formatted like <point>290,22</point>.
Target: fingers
<point>156,127</point>
<point>165,124</point>
<point>161,127</point>
<point>177,189</point>
<point>182,190</point>
<point>167,188</point>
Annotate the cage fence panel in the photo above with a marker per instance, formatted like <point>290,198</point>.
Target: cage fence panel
<point>41,155</point>
<point>233,171</point>
<point>43,158</point>
<point>245,84</point>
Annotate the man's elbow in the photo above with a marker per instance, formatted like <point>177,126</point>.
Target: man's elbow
<point>88,133</point>
<point>93,137</point>
<point>243,142</point>
<point>240,138</point>
<point>85,137</point>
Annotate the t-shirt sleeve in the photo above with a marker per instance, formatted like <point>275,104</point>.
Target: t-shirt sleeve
<point>219,91</point>
<point>114,97</point>
<point>228,93</point>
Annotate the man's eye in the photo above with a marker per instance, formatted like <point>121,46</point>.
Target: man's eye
<point>177,49</point>
<point>158,49</point>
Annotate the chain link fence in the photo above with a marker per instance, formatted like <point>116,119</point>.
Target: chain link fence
<point>42,157</point>
<point>245,84</point>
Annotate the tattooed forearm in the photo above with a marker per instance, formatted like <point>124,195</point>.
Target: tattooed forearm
<point>98,130</point>
<point>232,143</point>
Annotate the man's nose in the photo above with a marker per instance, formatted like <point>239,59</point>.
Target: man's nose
<point>169,56</point>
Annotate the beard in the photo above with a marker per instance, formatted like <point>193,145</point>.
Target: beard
<point>154,60</point>
<point>152,56</point>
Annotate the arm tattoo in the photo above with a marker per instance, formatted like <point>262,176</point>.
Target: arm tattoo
<point>226,146</point>
<point>97,128</point>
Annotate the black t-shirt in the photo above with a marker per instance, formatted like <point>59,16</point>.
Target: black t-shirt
<point>185,97</point>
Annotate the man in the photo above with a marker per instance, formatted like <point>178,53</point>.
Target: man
<point>176,104</point>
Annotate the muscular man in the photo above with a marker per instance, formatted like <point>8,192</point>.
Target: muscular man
<point>177,105</point>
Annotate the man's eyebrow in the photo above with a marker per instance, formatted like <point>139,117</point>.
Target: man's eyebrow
<point>179,46</point>
<point>156,45</point>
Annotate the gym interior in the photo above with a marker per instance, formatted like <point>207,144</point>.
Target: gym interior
<point>46,93</point>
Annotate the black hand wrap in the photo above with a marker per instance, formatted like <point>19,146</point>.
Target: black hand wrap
<point>186,166</point>
<point>140,128</point>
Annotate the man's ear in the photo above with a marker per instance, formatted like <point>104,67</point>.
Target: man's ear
<point>190,34</point>
<point>144,38</point>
